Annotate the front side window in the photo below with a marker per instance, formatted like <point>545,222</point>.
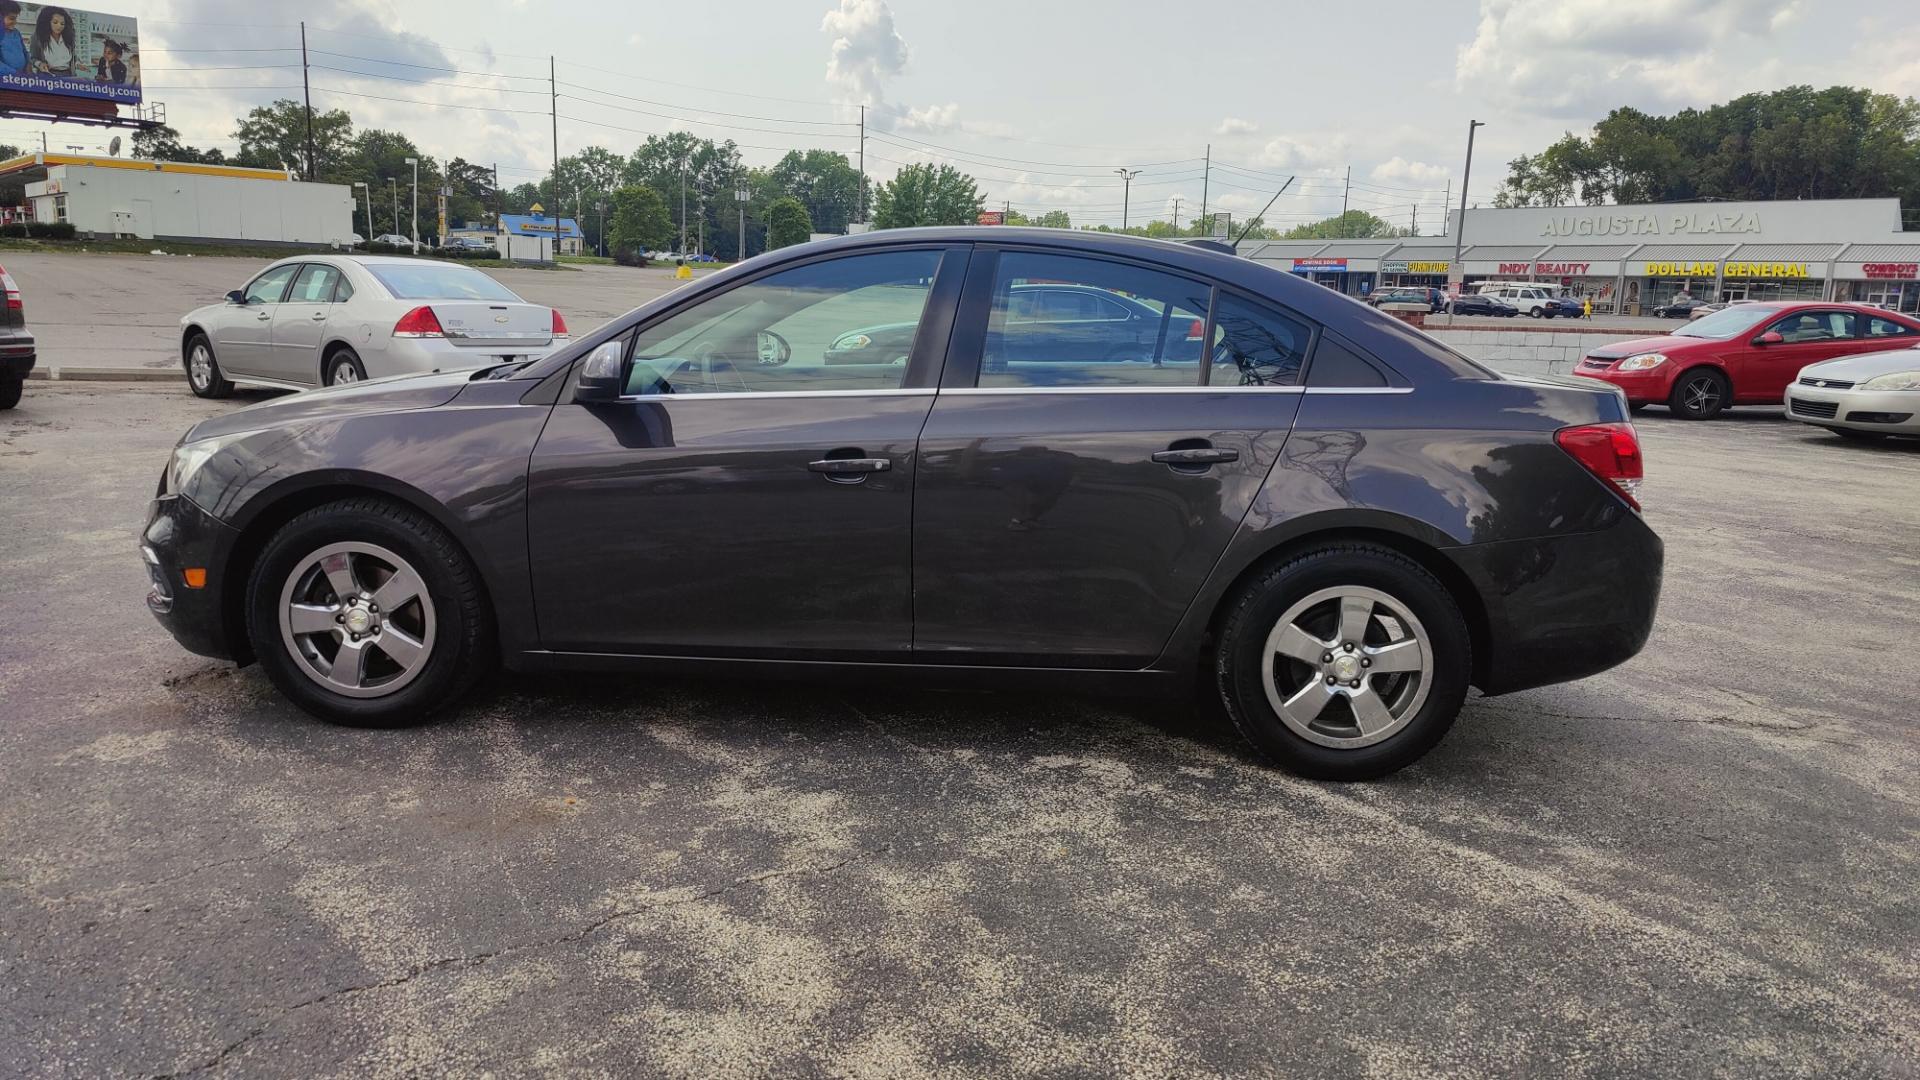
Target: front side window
<point>1811,326</point>
<point>314,285</point>
<point>1066,321</point>
<point>844,324</point>
<point>269,287</point>
<point>1255,346</point>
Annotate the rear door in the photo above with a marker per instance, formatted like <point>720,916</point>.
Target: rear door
<point>243,335</point>
<point>300,325</point>
<point>749,496</point>
<point>1067,510</point>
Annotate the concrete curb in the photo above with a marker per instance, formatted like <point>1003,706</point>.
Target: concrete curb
<point>87,374</point>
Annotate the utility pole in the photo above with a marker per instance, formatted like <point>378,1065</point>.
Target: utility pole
<point>553,102</point>
<point>601,205</point>
<point>683,211</point>
<point>1345,190</point>
<point>1206,178</point>
<point>1455,272</point>
<point>415,230</point>
<point>498,205</point>
<point>1416,219</point>
<point>307,89</point>
<point>863,163</point>
<point>1176,214</point>
<point>393,185</point>
<point>740,194</point>
<point>1126,193</point>
<point>1444,203</point>
<point>363,184</point>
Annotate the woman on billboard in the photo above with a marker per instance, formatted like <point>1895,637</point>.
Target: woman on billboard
<point>53,48</point>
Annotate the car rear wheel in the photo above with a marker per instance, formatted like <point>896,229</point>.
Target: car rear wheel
<point>1699,394</point>
<point>203,370</point>
<point>366,613</point>
<point>1346,662</point>
<point>344,367</point>
<point>10,391</point>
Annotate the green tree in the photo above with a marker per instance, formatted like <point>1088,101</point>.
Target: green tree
<point>1052,219</point>
<point>474,197</point>
<point>1350,225</point>
<point>704,170</point>
<point>825,183</point>
<point>787,223</point>
<point>927,195</point>
<point>275,136</point>
<point>639,222</point>
<point>163,144</point>
<point>379,158</point>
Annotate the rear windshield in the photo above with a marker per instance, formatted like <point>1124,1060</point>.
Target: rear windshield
<point>1727,322</point>
<point>431,281</point>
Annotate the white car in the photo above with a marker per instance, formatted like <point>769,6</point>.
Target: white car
<point>1864,396</point>
<point>1530,299</point>
<point>321,320</point>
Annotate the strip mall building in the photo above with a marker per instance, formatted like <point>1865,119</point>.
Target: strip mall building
<point>1629,258</point>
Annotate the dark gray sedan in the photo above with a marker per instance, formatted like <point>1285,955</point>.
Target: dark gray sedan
<point>1338,521</point>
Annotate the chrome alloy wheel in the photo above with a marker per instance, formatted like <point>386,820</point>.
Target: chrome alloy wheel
<point>200,367</point>
<point>344,372</point>
<point>1701,394</point>
<point>1348,667</point>
<point>357,619</point>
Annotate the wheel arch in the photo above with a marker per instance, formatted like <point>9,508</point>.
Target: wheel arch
<point>328,351</point>
<point>266,513</point>
<point>1403,536</point>
<point>188,333</point>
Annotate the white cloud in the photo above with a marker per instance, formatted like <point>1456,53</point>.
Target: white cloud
<point>929,119</point>
<point>867,51</point>
<point>1284,153</point>
<point>1578,58</point>
<point>1398,169</point>
<point>1233,125</point>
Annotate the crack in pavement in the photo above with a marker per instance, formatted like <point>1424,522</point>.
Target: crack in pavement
<point>1785,727</point>
<point>481,958</point>
<point>169,879</point>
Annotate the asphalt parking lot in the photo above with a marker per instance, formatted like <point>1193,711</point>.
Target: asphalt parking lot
<point>1701,863</point>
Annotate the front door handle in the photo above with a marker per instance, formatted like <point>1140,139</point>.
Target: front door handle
<point>849,470</point>
<point>1196,455</point>
<point>319,316</point>
<point>263,316</point>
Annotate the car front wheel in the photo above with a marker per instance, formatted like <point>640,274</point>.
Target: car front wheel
<point>1699,394</point>
<point>367,613</point>
<point>1346,662</point>
<point>203,370</point>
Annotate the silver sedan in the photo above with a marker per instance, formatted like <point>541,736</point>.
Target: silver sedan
<point>1865,396</point>
<point>320,320</point>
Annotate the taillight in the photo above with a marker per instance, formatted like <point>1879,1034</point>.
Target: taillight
<point>1608,451</point>
<point>1195,329</point>
<point>559,324</point>
<point>12,290</point>
<point>420,322</point>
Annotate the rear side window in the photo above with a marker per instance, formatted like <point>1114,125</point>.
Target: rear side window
<point>1879,327</point>
<point>1254,345</point>
<point>427,281</point>
<point>314,285</point>
<point>1337,364</point>
<point>1066,321</point>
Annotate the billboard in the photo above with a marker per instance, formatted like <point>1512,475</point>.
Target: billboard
<point>992,217</point>
<point>69,52</point>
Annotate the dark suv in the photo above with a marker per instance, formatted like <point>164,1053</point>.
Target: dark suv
<point>1336,519</point>
<point>16,345</point>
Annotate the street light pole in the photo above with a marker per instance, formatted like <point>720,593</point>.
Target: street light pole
<point>740,195</point>
<point>393,184</point>
<point>369,191</point>
<point>1126,196</point>
<point>683,211</point>
<point>1454,269</point>
<point>415,162</point>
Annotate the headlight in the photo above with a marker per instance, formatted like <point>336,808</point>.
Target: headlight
<point>189,457</point>
<point>853,341</point>
<point>1893,380</point>
<point>1645,361</point>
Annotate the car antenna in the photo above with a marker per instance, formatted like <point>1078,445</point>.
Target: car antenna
<point>1263,213</point>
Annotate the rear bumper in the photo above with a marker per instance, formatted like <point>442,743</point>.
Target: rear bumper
<point>1563,608</point>
<point>180,535</point>
<point>1893,412</point>
<point>16,355</point>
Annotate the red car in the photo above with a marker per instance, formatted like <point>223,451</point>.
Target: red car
<point>1745,355</point>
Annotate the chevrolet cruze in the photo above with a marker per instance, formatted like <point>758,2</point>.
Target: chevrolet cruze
<point>1333,520</point>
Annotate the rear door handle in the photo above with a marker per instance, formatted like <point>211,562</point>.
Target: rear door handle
<point>1198,455</point>
<point>319,316</point>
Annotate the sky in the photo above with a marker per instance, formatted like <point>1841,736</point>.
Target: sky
<point>1040,101</point>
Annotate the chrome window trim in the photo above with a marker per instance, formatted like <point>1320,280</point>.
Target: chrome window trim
<point>1000,391</point>
<point>1005,391</point>
<point>754,395</point>
<point>1359,389</point>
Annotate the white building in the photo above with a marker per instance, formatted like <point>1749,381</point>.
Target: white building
<point>166,200</point>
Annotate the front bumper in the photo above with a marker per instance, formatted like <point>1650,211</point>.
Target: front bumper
<point>1565,607</point>
<point>1891,412</point>
<point>180,536</point>
<point>1651,387</point>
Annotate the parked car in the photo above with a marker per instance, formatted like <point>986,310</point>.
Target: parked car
<point>1565,307</point>
<point>1704,310</point>
<point>1435,299</point>
<point>1744,355</point>
<point>1475,304</point>
<point>1864,396</point>
<point>1525,298</point>
<point>16,344</point>
<point>1680,307</point>
<point>1069,323</point>
<point>355,239</point>
<point>692,488</point>
<point>319,320</point>
<point>395,239</point>
<point>467,243</point>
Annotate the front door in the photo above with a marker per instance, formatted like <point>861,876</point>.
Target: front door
<point>243,335</point>
<point>1068,509</point>
<point>752,494</point>
<point>300,325</point>
<point>1807,337</point>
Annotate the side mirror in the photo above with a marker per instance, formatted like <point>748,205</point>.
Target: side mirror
<point>600,373</point>
<point>1771,337</point>
<point>237,297</point>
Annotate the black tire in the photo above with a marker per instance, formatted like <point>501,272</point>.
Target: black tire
<point>213,383</point>
<point>10,391</point>
<point>1635,408</point>
<point>1241,670</point>
<point>1859,436</point>
<point>340,362</point>
<point>463,641</point>
<point>1699,394</point>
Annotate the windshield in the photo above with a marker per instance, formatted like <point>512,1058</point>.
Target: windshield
<point>428,281</point>
<point>1728,323</point>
